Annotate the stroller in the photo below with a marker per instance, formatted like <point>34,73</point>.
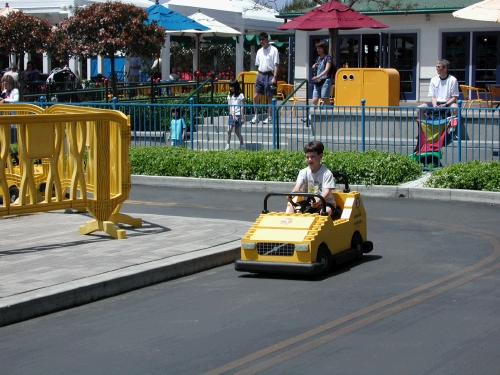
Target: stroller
<point>60,80</point>
<point>433,135</point>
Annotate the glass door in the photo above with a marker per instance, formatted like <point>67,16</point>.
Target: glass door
<point>403,58</point>
<point>485,58</point>
<point>456,51</point>
<point>384,50</point>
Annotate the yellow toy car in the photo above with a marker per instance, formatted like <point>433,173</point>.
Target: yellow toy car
<point>306,243</point>
<point>13,178</point>
<point>13,192</point>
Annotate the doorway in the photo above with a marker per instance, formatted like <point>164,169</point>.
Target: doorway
<point>403,58</point>
<point>370,51</point>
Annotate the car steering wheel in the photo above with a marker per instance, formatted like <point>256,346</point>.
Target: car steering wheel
<point>304,205</point>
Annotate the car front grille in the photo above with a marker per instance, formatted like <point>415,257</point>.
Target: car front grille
<point>275,248</point>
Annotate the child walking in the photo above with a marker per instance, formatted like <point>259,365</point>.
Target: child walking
<point>235,101</point>
<point>177,128</point>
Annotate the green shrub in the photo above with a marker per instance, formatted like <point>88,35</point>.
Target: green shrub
<point>471,176</point>
<point>368,168</point>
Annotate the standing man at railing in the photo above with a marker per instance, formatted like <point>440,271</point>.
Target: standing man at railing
<point>156,68</point>
<point>135,68</point>
<point>267,61</point>
<point>31,73</point>
<point>443,89</point>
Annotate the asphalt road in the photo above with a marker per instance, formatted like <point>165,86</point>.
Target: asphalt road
<point>425,301</point>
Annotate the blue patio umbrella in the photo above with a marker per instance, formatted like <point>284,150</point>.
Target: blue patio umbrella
<point>171,20</point>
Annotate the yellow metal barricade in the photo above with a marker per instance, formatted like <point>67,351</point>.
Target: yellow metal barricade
<point>60,136</point>
<point>248,80</point>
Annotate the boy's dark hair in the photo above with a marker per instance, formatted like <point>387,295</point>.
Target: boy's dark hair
<point>314,146</point>
<point>236,85</point>
<point>263,35</point>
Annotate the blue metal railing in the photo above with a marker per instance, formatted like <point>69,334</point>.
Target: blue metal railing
<point>393,129</point>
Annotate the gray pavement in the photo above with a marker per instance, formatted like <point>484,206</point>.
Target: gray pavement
<point>81,269</point>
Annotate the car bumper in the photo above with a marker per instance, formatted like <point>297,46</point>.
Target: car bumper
<point>277,267</point>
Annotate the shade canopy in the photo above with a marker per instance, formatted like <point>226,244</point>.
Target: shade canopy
<point>241,9</point>
<point>214,27</point>
<point>7,10</point>
<point>171,20</point>
<point>487,10</point>
<point>332,15</point>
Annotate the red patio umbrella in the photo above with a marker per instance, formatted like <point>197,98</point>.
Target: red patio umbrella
<point>333,16</point>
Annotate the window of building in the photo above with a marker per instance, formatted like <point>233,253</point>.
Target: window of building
<point>456,51</point>
<point>348,52</point>
<point>485,51</point>
<point>403,58</point>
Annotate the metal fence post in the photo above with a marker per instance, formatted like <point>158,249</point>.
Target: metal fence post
<point>115,101</point>
<point>276,128</point>
<point>107,89</point>
<point>191,119</point>
<point>459,131</point>
<point>42,102</point>
<point>363,145</point>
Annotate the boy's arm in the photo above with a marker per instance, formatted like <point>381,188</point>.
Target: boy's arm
<point>296,189</point>
<point>325,194</point>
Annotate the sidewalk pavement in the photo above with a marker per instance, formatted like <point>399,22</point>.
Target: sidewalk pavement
<point>46,265</point>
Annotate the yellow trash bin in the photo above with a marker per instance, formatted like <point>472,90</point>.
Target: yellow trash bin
<point>379,87</point>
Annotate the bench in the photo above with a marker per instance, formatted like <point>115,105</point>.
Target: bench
<point>148,137</point>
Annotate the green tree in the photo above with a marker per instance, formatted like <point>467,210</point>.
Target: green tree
<point>106,29</point>
<point>21,33</point>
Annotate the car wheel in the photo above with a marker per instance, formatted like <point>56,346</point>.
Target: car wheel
<point>13,193</point>
<point>357,244</point>
<point>324,258</point>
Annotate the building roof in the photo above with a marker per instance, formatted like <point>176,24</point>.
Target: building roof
<point>406,7</point>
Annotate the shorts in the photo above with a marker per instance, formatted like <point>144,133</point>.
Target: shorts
<point>323,91</point>
<point>437,114</point>
<point>336,212</point>
<point>263,83</point>
<point>233,122</point>
<point>429,104</point>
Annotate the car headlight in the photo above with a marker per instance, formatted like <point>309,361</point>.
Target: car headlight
<point>301,247</point>
<point>249,245</point>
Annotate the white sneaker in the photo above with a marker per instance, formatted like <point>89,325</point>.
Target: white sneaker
<point>227,147</point>
<point>255,120</point>
<point>268,120</point>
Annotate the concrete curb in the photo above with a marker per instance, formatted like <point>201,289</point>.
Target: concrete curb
<point>79,292</point>
<point>412,190</point>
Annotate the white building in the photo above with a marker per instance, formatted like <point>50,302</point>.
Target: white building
<point>412,44</point>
